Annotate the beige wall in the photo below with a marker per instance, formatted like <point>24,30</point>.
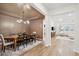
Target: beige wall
<point>8,25</point>
<point>37,26</point>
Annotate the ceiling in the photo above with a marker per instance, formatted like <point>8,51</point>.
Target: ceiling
<point>19,10</point>
<point>53,6</point>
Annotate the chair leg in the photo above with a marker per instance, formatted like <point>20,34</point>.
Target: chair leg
<point>31,41</point>
<point>3,48</point>
<point>23,44</point>
<point>26,42</point>
<point>13,47</point>
<point>18,45</point>
<point>34,40</point>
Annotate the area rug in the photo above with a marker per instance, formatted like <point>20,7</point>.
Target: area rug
<point>11,52</point>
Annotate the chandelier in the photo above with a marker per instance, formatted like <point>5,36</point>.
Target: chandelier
<point>21,20</point>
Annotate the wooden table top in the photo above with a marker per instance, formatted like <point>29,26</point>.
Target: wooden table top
<point>12,36</point>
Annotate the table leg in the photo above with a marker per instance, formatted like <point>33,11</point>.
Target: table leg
<point>14,44</point>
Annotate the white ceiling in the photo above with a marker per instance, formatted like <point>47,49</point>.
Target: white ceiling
<point>53,6</point>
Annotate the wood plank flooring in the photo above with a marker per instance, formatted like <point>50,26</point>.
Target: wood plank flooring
<point>58,48</point>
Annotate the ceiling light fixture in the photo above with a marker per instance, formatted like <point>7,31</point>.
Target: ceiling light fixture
<point>25,22</point>
<point>69,14</point>
<point>27,6</point>
<point>19,21</point>
<point>28,22</point>
<point>22,18</point>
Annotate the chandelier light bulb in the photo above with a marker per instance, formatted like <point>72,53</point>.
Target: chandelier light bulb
<point>28,22</point>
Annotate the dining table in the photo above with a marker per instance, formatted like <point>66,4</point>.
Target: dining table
<point>12,38</point>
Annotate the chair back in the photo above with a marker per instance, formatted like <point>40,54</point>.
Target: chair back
<point>20,37</point>
<point>2,38</point>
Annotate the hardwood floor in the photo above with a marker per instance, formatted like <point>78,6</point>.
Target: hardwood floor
<point>58,48</point>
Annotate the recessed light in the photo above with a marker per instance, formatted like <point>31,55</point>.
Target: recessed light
<point>69,14</point>
<point>27,6</point>
<point>19,5</point>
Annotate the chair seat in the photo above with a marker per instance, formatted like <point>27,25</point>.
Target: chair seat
<point>8,43</point>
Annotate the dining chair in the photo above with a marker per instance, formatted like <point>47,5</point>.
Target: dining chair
<point>5,43</point>
<point>25,39</point>
<point>20,41</point>
<point>33,38</point>
<point>28,39</point>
